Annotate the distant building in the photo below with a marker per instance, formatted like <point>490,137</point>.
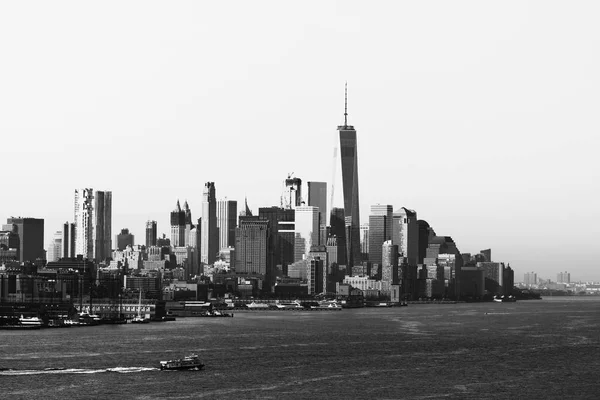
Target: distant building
<point>317,197</point>
<point>487,254</point>
<point>124,239</point>
<point>68,241</point>
<point>380,230</point>
<point>31,237</point>
<point>306,229</point>
<point>292,194</point>
<point>425,233</point>
<point>210,234</point>
<point>563,277</point>
<point>282,234</point>
<point>178,226</point>
<point>93,224</point>
<point>102,225</point>
<point>55,247</point>
<point>530,278</point>
<point>364,241</point>
<point>251,246</point>
<point>405,233</point>
<point>151,233</point>
<point>494,275</point>
<point>338,230</point>
<point>226,222</point>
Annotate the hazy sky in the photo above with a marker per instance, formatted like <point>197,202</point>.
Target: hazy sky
<point>481,116</point>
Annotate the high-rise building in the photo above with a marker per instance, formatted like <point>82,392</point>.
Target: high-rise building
<point>102,225</point>
<point>425,233</point>
<point>68,240</point>
<point>226,222</point>
<point>251,246</point>
<point>349,170</point>
<point>364,241</point>
<point>292,193</point>
<point>210,234</point>
<point>178,226</point>
<point>9,244</point>
<point>93,224</point>
<point>530,278</point>
<point>188,226</point>
<point>151,233</point>
<point>338,230</point>
<point>487,254</point>
<point>55,248</point>
<point>31,237</point>
<point>124,239</point>
<point>317,196</point>
<point>282,234</point>
<point>380,224</point>
<point>307,230</point>
<point>563,277</point>
<point>405,233</point>
<point>84,222</point>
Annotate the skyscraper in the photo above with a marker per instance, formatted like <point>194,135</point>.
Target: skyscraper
<point>68,240</point>
<point>210,235</point>
<point>151,233</point>
<point>349,168</point>
<point>31,237</point>
<point>292,194</point>
<point>178,219</point>
<point>84,223</point>
<point>226,222</point>
<point>55,247</point>
<point>338,230</point>
<point>102,225</point>
<point>307,230</point>
<point>124,239</point>
<point>251,246</point>
<point>405,233</point>
<point>282,234</point>
<point>93,224</point>
<point>380,223</point>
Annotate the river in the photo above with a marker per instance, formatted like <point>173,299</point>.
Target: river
<point>538,349</point>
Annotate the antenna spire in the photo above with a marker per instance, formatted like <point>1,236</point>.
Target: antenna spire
<point>346,105</point>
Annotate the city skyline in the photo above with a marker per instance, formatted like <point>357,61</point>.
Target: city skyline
<point>489,136</point>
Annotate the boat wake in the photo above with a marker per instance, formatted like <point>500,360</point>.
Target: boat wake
<point>58,371</point>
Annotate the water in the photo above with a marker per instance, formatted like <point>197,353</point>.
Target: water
<point>546,349</point>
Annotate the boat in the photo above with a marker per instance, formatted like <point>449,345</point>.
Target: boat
<point>505,299</point>
<point>327,304</point>
<point>30,322</point>
<point>191,362</point>
<point>254,305</point>
<point>288,305</point>
<point>138,319</point>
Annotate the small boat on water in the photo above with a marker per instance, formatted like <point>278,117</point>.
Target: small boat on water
<point>191,362</point>
<point>288,305</point>
<point>505,299</point>
<point>327,304</point>
<point>254,305</point>
<point>138,319</point>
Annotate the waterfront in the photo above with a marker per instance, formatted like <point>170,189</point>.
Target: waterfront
<point>528,349</point>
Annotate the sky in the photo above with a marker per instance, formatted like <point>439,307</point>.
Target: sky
<point>481,116</point>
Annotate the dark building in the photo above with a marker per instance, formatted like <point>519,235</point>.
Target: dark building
<point>124,239</point>
<point>178,219</point>
<point>281,241</point>
<point>31,237</point>
<point>209,244</point>
<point>378,234</point>
<point>151,233</point>
<point>487,254</point>
<point>252,245</point>
<point>508,280</point>
<point>68,241</point>
<point>338,230</point>
<point>102,225</point>
<point>425,233</point>
<point>349,169</point>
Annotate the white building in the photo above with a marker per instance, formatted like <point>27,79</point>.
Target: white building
<point>306,230</point>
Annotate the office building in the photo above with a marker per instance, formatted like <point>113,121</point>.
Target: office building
<point>380,224</point>
<point>151,233</point>
<point>282,234</point>
<point>348,153</point>
<point>487,254</point>
<point>178,219</point>
<point>405,233</point>
<point>226,222</point>
<point>563,277</point>
<point>338,230</point>
<point>31,237</point>
<point>102,225</point>
<point>251,246</point>
<point>306,229</point>
<point>68,240</point>
<point>210,235</point>
<point>425,234</point>
<point>317,197</point>
<point>55,247</point>
<point>530,278</point>
<point>124,239</point>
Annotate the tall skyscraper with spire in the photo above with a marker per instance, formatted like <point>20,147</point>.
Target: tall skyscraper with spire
<point>210,234</point>
<point>349,167</point>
